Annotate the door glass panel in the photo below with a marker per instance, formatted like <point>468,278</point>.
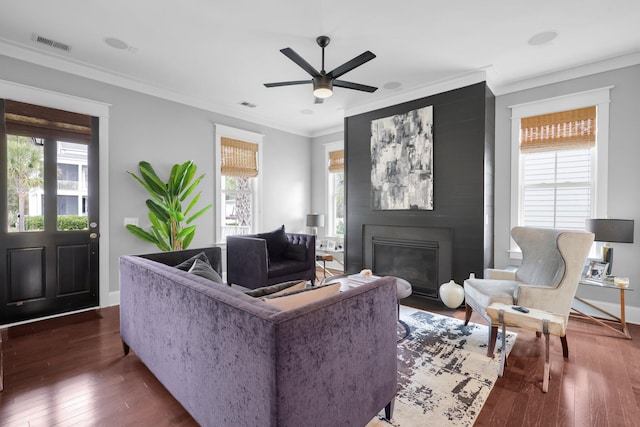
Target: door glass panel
<point>72,186</point>
<point>25,183</point>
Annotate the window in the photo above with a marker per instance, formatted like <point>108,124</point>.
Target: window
<point>335,190</point>
<point>559,161</point>
<point>238,156</point>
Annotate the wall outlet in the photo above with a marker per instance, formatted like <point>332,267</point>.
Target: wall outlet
<point>128,221</point>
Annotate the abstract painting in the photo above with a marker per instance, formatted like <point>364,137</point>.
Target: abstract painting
<point>402,161</point>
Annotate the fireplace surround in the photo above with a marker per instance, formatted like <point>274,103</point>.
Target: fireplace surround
<point>420,255</point>
<point>460,226</point>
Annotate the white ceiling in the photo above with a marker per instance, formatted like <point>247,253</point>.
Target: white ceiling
<point>215,54</point>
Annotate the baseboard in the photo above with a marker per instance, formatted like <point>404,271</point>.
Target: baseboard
<point>114,299</point>
<point>632,314</point>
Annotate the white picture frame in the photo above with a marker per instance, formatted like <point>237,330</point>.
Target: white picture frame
<point>331,245</point>
<point>597,270</point>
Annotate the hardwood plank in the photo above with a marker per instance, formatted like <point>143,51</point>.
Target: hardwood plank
<point>71,371</point>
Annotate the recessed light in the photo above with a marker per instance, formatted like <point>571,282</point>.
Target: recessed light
<point>247,104</point>
<point>543,38</point>
<point>307,111</point>
<point>392,85</point>
<point>116,43</point>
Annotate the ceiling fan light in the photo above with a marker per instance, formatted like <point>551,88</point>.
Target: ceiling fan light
<point>322,87</point>
<point>322,92</point>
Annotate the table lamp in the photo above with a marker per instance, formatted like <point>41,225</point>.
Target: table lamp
<point>314,221</point>
<point>610,231</point>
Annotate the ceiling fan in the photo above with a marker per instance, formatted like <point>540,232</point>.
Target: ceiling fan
<point>322,81</point>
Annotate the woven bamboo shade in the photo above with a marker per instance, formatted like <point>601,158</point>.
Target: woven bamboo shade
<point>48,123</point>
<point>239,158</point>
<point>559,131</point>
<point>336,161</point>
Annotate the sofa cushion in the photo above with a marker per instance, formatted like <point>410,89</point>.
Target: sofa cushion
<point>277,289</point>
<point>188,263</point>
<point>296,252</point>
<point>299,298</point>
<point>204,269</point>
<point>277,243</point>
<point>286,266</point>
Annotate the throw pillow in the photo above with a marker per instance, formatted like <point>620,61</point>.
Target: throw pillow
<point>188,263</point>
<point>296,252</point>
<point>299,298</point>
<point>277,243</point>
<point>204,269</point>
<point>277,289</point>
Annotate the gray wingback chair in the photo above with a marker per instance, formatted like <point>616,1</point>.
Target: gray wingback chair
<point>547,279</point>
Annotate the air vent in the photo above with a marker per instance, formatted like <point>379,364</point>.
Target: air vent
<point>51,43</point>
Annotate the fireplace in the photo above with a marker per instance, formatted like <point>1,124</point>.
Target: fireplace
<point>420,255</point>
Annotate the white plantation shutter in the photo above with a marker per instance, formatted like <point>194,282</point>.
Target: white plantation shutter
<point>557,180</point>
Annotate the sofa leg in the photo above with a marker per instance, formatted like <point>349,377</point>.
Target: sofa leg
<point>388,410</point>
<point>467,313</point>
<point>125,348</point>
<point>493,336</point>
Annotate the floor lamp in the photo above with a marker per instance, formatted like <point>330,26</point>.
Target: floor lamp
<point>610,231</point>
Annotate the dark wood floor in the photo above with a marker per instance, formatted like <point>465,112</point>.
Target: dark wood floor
<point>71,371</point>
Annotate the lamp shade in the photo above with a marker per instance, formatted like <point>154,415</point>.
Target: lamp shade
<point>315,220</point>
<point>611,230</point>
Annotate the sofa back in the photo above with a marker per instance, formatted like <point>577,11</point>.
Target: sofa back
<point>231,359</point>
<point>171,258</point>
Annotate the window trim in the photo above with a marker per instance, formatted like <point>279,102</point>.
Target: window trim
<point>600,98</point>
<point>330,215</point>
<point>222,131</point>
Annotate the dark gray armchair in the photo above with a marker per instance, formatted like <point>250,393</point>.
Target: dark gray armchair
<point>264,259</point>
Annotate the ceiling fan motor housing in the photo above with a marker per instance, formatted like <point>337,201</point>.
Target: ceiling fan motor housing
<point>322,86</point>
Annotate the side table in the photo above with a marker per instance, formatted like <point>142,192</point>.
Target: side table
<point>620,321</point>
<point>324,258</point>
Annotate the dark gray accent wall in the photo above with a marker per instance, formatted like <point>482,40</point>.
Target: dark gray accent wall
<point>463,156</point>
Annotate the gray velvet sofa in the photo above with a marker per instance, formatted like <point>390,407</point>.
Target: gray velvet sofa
<point>257,260</point>
<point>234,360</point>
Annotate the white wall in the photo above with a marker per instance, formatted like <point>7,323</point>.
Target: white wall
<point>623,178</point>
<point>162,132</point>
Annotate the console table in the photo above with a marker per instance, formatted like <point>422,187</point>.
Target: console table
<point>619,321</point>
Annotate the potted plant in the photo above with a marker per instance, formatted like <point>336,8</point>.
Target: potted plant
<point>170,229</point>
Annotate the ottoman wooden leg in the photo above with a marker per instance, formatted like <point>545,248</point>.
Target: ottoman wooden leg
<point>545,380</point>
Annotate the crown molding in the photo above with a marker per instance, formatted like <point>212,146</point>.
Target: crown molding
<point>444,85</point>
<point>607,64</point>
<point>62,63</point>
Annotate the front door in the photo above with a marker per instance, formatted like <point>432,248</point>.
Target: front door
<point>48,212</point>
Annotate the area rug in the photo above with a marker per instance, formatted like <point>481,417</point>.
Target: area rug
<point>444,374</point>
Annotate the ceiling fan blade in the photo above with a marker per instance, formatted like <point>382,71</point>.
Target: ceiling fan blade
<point>318,100</point>
<point>356,86</point>
<point>350,65</point>
<point>291,83</point>
<point>292,55</point>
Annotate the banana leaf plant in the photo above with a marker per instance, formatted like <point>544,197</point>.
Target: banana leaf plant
<point>170,224</point>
